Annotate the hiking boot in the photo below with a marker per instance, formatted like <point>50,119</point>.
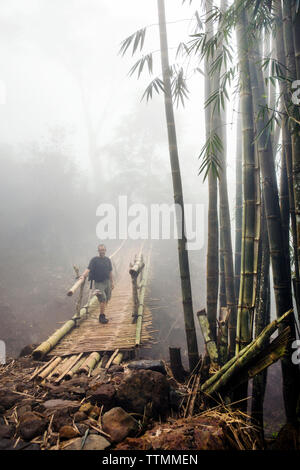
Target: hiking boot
<point>102,318</point>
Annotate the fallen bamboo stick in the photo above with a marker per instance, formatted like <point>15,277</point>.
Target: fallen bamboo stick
<point>40,369</point>
<point>267,332</point>
<point>107,365</point>
<point>90,362</point>
<point>56,372</point>
<point>50,368</point>
<point>74,369</point>
<point>255,349</point>
<point>72,361</point>
<point>118,359</point>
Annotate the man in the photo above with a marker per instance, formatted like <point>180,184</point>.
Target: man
<point>99,270</point>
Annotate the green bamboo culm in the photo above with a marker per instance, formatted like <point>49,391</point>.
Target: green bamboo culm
<point>261,321</point>
<point>238,205</point>
<point>212,260</point>
<point>192,345</point>
<point>245,304</point>
<point>287,147</point>
<point>282,287</point>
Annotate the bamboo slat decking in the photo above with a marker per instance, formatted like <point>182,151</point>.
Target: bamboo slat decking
<point>119,332</point>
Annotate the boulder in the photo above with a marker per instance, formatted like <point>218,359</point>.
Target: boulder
<point>288,438</point>
<point>8,399</point>
<point>31,425</point>
<point>79,416</point>
<point>144,391</point>
<point>148,364</point>
<point>93,442</point>
<point>119,424</point>
<point>61,418</point>
<point>58,404</point>
<point>67,432</point>
<point>103,394</point>
<point>6,431</point>
<point>115,369</point>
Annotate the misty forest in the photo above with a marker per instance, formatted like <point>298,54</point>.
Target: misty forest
<point>119,329</point>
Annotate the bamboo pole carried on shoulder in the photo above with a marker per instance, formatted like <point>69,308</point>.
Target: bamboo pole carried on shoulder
<point>75,287</point>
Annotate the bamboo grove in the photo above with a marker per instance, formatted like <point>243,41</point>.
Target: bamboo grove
<point>249,51</point>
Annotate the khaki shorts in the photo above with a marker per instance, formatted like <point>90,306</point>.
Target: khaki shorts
<point>103,290</point>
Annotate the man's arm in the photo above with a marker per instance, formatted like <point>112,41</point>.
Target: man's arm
<point>84,274</point>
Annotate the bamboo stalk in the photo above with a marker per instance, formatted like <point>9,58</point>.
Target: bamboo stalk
<point>40,369</point>
<point>58,370</point>
<point>217,380</point>
<point>212,261</point>
<point>74,369</point>
<point>75,287</point>
<point>118,359</point>
<point>50,368</point>
<point>90,362</point>
<point>209,342</point>
<point>49,344</point>
<point>223,335</point>
<point>68,366</point>
<point>107,365</point>
<point>183,257</point>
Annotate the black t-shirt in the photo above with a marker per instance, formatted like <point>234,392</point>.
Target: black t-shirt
<point>99,268</point>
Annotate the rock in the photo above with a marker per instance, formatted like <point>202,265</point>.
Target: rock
<point>22,409</point>
<point>144,391</point>
<point>94,412</point>
<point>93,442</point>
<point>86,407</point>
<point>175,398</point>
<point>58,404</point>
<point>195,433</point>
<point>61,418</point>
<point>103,395</point>
<point>6,444</point>
<point>288,438</point>
<point>27,350</point>
<point>82,428</point>
<point>6,431</point>
<point>148,364</point>
<point>31,425</point>
<point>79,416</point>
<point>8,399</point>
<point>67,432</point>
<point>119,424</point>
<point>32,447</point>
<point>115,369</point>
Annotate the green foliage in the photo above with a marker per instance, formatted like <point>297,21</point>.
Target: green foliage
<point>156,85</point>
<point>137,39</point>
<point>209,154</point>
<point>178,86</point>
<point>139,65</point>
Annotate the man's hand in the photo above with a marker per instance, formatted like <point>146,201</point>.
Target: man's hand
<point>112,285</point>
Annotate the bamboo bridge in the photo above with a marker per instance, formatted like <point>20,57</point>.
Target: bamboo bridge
<point>82,344</point>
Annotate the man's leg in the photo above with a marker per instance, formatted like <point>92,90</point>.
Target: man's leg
<point>103,304</point>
